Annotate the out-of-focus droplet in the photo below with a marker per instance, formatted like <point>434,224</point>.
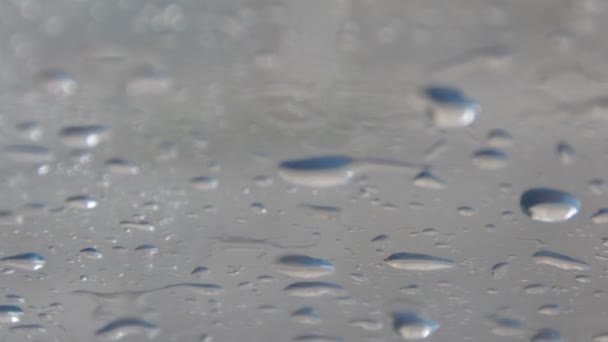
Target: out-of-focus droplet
<point>450,108</point>
<point>24,262</point>
<point>121,166</point>
<point>600,216</point>
<point>550,310</point>
<point>412,327</point>
<point>564,262</point>
<point>565,152</point>
<point>34,154</point>
<point>29,130</point>
<point>306,315</point>
<point>500,270</point>
<point>258,208</point>
<point>547,335</point>
<point>83,136</point>
<point>81,202</point>
<point>508,327</point>
<point>138,225</point>
<point>549,205</point>
<point>205,183</point>
<point>121,328</point>
<point>499,138</point>
<point>10,314</point>
<point>149,80</point>
<point>490,159</point>
<point>314,289</point>
<point>418,262</point>
<point>57,82</point>
<point>427,180</point>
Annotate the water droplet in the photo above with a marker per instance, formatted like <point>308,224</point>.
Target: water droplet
<point>91,253</point>
<point>262,181</point>
<point>500,270</point>
<point>121,166</point>
<point>147,250</point>
<point>204,183</point>
<point>306,315</point>
<point>137,225</point>
<point>490,159</point>
<point>314,289</point>
<point>508,327</point>
<point>547,335</point>
<point>418,262</point>
<point>81,202</point>
<point>412,327</point>
<point>466,211</point>
<point>499,138</point>
<point>258,208</point>
<point>29,130</point>
<point>121,328</point>
<point>564,262</point>
<point>302,266</point>
<point>427,180</point>
<point>57,82</point>
<point>25,261</point>
<point>549,205</point>
<point>10,314</point>
<point>600,217</point>
<point>199,271</point>
<point>367,324</point>
<point>550,310</point>
<point>450,108</point>
<point>34,154</point>
<point>83,136</point>
<point>565,152</point>
<point>149,80</point>
<point>317,338</point>
<point>28,329</point>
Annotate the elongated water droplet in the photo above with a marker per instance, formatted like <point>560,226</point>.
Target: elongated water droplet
<point>317,338</point>
<point>325,171</point>
<point>565,152</point>
<point>427,180</point>
<point>29,154</point>
<point>500,269</point>
<point>490,159</point>
<point>549,205</point>
<point>412,327</point>
<point>306,315</point>
<point>303,266</point>
<point>83,136</point>
<point>91,253</point>
<point>367,324</point>
<point>138,225</point>
<point>10,314</point>
<point>418,262</point>
<point>564,262</point>
<point>314,289</point>
<point>551,310</point>
<point>121,166</point>
<point>205,183</point>
<point>121,328</point>
<point>600,217</point>
<point>81,202</point>
<point>25,261</point>
<point>450,108</point>
<point>547,335</point>
<point>499,138</point>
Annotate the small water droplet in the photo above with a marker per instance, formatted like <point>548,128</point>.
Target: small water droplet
<point>303,266</point>
<point>29,130</point>
<point>427,180</point>
<point>258,208</point>
<point>57,82</point>
<point>138,225</point>
<point>550,310</point>
<point>412,327</point>
<point>10,314</point>
<point>121,328</point>
<point>450,108</point>
<point>600,217</point>
<point>205,183</point>
<point>565,152</point>
<point>500,270</point>
<point>564,262</point>
<point>34,154</point>
<point>547,335</point>
<point>508,327</point>
<point>82,202</point>
<point>121,166</point>
<point>314,289</point>
<point>367,324</point>
<point>306,315</point>
<point>149,80</point>
<point>91,253</point>
<point>147,250</point>
<point>499,138</point>
<point>199,271</point>
<point>83,136</point>
<point>25,261</point>
<point>549,205</point>
<point>490,159</point>
<point>317,338</point>
<point>467,211</point>
<point>418,262</point>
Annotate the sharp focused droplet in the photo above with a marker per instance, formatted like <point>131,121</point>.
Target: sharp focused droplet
<point>325,171</point>
<point>412,327</point>
<point>25,261</point>
<point>303,266</point>
<point>314,289</point>
<point>549,205</point>
<point>450,108</point>
<point>418,262</point>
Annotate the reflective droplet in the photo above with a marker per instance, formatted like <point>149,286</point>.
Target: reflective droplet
<point>147,250</point>
<point>367,324</point>
<point>600,217</point>
<point>91,253</point>
<point>121,328</point>
<point>551,310</point>
<point>258,208</point>
<point>204,183</point>
<point>314,289</point>
<point>490,159</point>
<point>25,261</point>
<point>418,262</point>
<point>137,225</point>
<point>466,211</point>
<point>508,327</point>
<point>549,205</point>
<point>450,108</point>
<point>500,269</point>
<point>121,166</point>
<point>564,262</point>
<point>10,314</point>
<point>306,315</point>
<point>499,138</point>
<point>57,82</point>
<point>83,136</point>
<point>412,327</point>
<point>29,154</point>
<point>81,202</point>
<point>149,80</point>
<point>565,152</point>
<point>302,266</point>
<point>547,335</point>
<point>199,271</point>
<point>29,130</point>
<point>427,180</point>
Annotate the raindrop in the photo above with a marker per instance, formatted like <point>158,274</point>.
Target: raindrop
<point>490,159</point>
<point>466,211</point>
<point>547,335</point>
<point>412,327</point>
<point>550,310</point>
<point>29,130</point>
<point>499,138</point>
<point>121,328</point>
<point>25,261</point>
<point>57,82</point>
<point>302,266</point>
<point>317,338</point>
<point>258,208</point>
<point>549,205</point>
<point>83,136</point>
<point>91,253</point>
<point>137,225</point>
<point>427,180</point>
<point>564,262</point>
<point>565,152</point>
<point>367,324</point>
<point>418,262</point>
<point>199,271</point>
<point>450,108</point>
<point>314,289</point>
<point>500,270</point>
<point>34,154</point>
<point>508,327</point>
<point>10,314</point>
<point>147,250</point>
<point>204,183</point>
<point>81,202</point>
<point>121,166</point>
<point>306,315</point>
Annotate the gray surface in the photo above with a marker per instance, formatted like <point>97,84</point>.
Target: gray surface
<point>230,89</point>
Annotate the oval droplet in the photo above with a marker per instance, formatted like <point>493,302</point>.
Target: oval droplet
<point>450,108</point>
<point>549,205</point>
<point>303,266</point>
<point>412,327</point>
<point>10,314</point>
<point>83,136</point>
<point>323,171</point>
<point>564,262</point>
<point>314,289</point>
<point>418,262</point>
<point>82,202</point>
<point>121,328</point>
<point>490,159</point>
<point>24,262</point>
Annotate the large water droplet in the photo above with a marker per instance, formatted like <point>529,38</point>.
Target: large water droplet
<point>549,205</point>
<point>306,315</point>
<point>450,108</point>
<point>412,327</point>
<point>25,261</point>
<point>418,262</point>
<point>121,328</point>
<point>303,266</point>
<point>565,262</point>
<point>10,314</point>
